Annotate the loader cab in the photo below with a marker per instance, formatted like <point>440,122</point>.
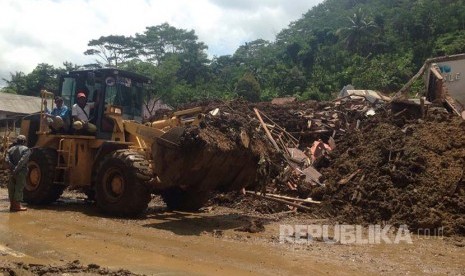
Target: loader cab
<point>117,90</point>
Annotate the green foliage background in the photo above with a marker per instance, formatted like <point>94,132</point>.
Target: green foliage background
<point>371,44</point>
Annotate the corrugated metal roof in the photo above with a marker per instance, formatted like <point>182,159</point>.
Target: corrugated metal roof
<point>19,104</point>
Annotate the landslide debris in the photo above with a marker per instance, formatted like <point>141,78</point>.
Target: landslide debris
<point>232,140</point>
<point>391,169</point>
<point>397,170</point>
<point>411,173</point>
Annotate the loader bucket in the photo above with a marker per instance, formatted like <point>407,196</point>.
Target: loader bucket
<point>183,159</point>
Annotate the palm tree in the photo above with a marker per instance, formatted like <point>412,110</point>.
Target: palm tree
<point>361,27</point>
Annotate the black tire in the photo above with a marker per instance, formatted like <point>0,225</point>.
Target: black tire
<point>121,188</point>
<point>178,199</point>
<point>40,188</point>
<point>90,193</point>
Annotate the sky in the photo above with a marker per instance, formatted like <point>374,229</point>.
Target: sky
<point>54,31</point>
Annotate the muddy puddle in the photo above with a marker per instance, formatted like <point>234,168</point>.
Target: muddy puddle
<point>204,243</point>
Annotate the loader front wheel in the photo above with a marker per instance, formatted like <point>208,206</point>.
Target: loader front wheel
<point>180,200</point>
<point>121,183</point>
<point>40,187</point>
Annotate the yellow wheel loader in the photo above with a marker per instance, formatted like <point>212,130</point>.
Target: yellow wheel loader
<point>124,161</point>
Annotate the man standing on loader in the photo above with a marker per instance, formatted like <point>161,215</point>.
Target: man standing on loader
<point>17,158</point>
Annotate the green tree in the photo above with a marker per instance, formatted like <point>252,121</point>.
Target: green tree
<point>194,69</point>
<point>154,43</point>
<point>381,74</point>
<point>69,66</point>
<point>225,71</point>
<point>248,88</point>
<point>44,76</point>
<point>162,43</point>
<point>251,50</point>
<point>166,81</point>
<point>158,41</point>
<point>111,50</point>
<point>450,43</point>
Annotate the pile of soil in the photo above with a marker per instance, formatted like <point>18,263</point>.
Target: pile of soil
<point>71,268</point>
<point>307,121</point>
<point>409,172</point>
<point>223,153</point>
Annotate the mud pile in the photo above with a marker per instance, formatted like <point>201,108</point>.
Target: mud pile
<point>222,153</point>
<point>75,268</point>
<point>307,121</point>
<point>404,172</point>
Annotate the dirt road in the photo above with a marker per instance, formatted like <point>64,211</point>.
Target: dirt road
<point>209,242</point>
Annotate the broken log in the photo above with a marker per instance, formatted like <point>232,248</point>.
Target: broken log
<point>279,200</point>
<point>303,200</point>
<point>267,131</point>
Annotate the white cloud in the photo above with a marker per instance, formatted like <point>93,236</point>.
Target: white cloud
<point>54,31</point>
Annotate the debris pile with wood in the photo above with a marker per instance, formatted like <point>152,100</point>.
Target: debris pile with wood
<point>398,171</point>
<point>372,166</point>
<point>311,120</point>
<point>280,159</point>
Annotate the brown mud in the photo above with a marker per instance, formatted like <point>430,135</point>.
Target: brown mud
<point>75,267</point>
<point>70,237</point>
<point>411,172</point>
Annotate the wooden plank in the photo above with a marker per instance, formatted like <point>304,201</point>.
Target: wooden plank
<point>307,200</point>
<point>436,73</point>
<point>280,201</point>
<point>267,131</point>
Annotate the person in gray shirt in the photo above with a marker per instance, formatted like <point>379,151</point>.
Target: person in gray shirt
<point>17,158</point>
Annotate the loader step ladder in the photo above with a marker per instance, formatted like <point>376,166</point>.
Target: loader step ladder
<point>63,164</point>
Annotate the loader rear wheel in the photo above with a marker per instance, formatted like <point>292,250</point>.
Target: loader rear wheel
<point>121,183</point>
<point>178,199</point>
<point>40,188</point>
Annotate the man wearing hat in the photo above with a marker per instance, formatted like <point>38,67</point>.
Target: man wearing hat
<point>59,118</point>
<point>80,112</point>
<point>17,158</point>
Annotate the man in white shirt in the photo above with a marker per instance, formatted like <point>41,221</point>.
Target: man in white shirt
<point>81,112</point>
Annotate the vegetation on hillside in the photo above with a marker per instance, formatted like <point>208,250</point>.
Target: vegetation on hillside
<point>371,44</point>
